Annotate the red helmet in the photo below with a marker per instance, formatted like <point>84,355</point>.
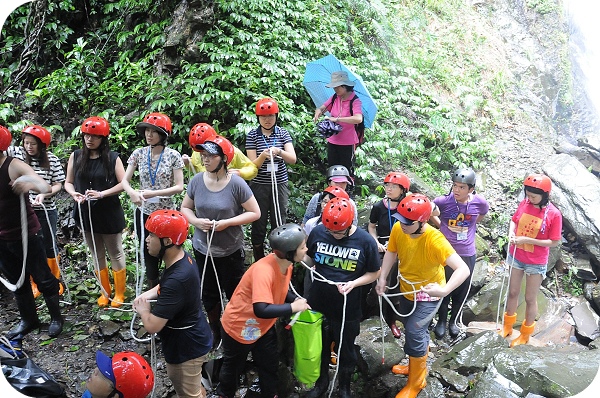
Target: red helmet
<point>539,181</point>
<point>226,147</point>
<point>415,207</point>
<point>398,178</point>
<point>168,224</point>
<point>157,121</point>
<point>337,192</point>
<point>96,125</point>
<point>338,214</point>
<point>267,106</point>
<point>133,375</point>
<point>39,132</point>
<point>5,138</point>
<point>199,133</point>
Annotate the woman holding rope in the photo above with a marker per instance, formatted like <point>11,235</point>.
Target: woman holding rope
<point>34,152</point>
<point>345,258</point>
<point>161,176</point>
<point>535,227</point>
<point>217,203</point>
<point>16,179</point>
<point>270,147</point>
<point>420,252</point>
<point>94,175</point>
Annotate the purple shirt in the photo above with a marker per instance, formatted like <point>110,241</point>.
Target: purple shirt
<point>459,221</point>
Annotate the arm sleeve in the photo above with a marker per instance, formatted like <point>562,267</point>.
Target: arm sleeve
<point>264,310</point>
<point>247,168</point>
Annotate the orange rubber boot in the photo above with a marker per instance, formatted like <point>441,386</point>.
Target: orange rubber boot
<point>34,288</point>
<point>403,369</point>
<point>55,269</point>
<point>526,332</point>
<point>119,278</point>
<point>509,321</point>
<point>416,377</point>
<point>105,282</point>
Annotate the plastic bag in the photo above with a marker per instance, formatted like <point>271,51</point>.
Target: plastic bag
<point>327,128</point>
<point>28,379</point>
<point>307,346</point>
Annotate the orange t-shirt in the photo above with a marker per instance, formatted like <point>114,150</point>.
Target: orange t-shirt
<point>263,282</point>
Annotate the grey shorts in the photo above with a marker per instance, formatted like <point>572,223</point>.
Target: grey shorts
<point>529,269</point>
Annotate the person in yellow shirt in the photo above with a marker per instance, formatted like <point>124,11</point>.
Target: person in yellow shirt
<point>240,164</point>
<point>420,252</point>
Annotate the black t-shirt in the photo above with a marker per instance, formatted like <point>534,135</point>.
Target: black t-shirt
<point>340,260</point>
<point>187,334</point>
<point>383,218</point>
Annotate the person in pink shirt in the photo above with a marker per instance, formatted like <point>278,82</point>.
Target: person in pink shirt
<point>535,227</point>
<point>341,146</point>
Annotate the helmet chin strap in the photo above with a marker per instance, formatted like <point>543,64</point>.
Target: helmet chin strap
<point>419,230</point>
<point>218,168</point>
<point>163,249</point>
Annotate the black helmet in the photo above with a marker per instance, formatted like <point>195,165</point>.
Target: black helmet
<point>338,170</point>
<point>284,240</point>
<point>465,176</point>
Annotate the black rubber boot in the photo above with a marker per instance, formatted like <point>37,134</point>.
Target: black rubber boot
<point>29,318</point>
<point>258,251</point>
<point>320,387</point>
<point>56,319</point>
<point>440,326</point>
<point>344,383</point>
<point>453,328</point>
<point>214,321</point>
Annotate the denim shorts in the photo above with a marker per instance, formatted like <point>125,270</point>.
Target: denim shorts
<point>530,269</point>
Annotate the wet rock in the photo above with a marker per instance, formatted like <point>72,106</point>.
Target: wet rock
<point>594,296</point>
<point>492,384</point>
<point>583,269</point>
<point>372,350</point>
<point>587,323</point>
<point>586,156</point>
<point>454,379</point>
<point>577,194</point>
<point>543,372</point>
<point>108,328</point>
<point>480,275</point>
<point>472,354</point>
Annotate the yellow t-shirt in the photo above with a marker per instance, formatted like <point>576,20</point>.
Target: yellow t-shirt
<point>421,260</point>
<point>239,162</point>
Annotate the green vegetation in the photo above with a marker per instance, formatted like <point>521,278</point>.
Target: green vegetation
<point>438,101</point>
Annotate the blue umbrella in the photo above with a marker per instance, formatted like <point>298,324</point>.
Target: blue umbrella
<point>318,74</point>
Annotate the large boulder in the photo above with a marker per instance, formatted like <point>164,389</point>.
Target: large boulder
<point>577,194</point>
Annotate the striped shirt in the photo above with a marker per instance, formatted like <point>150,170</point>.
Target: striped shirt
<point>52,175</point>
<point>259,142</point>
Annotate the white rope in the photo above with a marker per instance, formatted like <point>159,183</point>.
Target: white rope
<point>275,190</point>
<point>502,283</point>
<point>25,244</point>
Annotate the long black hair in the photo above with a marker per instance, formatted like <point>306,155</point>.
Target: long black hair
<point>537,191</point>
<point>42,156</point>
<point>82,164</point>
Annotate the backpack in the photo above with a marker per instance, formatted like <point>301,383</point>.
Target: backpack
<point>360,127</point>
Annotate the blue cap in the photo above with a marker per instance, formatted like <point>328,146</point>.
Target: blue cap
<point>104,363</point>
<point>403,219</point>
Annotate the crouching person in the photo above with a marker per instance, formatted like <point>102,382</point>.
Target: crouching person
<point>177,315</point>
<point>126,375</point>
<point>261,297</point>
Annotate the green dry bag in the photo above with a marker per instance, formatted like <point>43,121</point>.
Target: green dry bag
<point>307,346</point>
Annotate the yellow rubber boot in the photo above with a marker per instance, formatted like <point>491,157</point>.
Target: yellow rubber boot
<point>402,369</point>
<point>34,288</point>
<point>105,282</point>
<point>119,278</point>
<point>55,269</point>
<point>509,321</point>
<point>417,371</point>
<point>526,332</point>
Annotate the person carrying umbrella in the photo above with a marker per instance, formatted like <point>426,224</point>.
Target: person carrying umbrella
<point>341,146</point>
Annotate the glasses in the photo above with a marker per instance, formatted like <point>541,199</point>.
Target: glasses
<point>91,137</point>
